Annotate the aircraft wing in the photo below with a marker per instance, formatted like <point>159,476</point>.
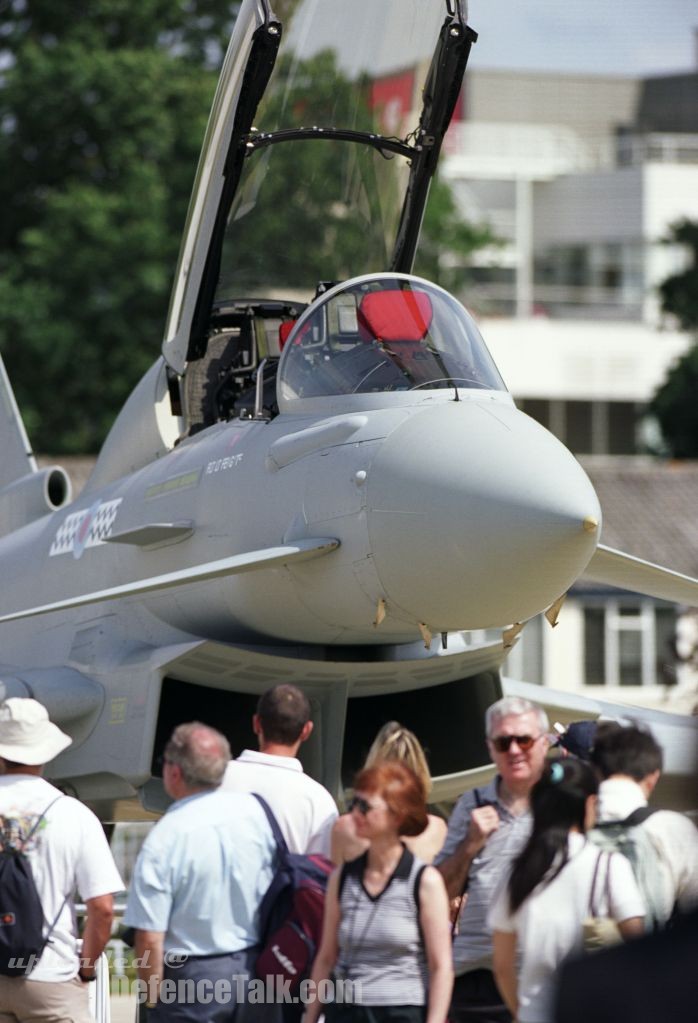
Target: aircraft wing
<point>614,568</point>
<point>299,550</point>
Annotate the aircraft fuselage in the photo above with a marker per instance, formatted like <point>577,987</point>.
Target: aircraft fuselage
<point>457,514</point>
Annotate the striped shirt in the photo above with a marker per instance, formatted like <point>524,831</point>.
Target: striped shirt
<point>380,942</point>
<point>472,947</point>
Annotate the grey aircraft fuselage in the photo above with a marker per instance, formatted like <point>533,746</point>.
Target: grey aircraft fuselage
<point>421,519</point>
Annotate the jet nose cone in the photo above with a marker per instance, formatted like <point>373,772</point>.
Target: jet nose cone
<point>478,517</point>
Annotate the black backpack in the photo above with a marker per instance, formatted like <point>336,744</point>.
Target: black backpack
<point>21,916</point>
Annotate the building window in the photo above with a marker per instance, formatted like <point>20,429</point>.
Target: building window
<point>629,642</point>
<point>622,428</point>
<point>579,427</point>
<point>587,427</point>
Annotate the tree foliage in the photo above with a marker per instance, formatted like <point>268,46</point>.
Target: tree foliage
<point>326,210</point>
<point>102,112</point>
<point>679,292</point>
<point>307,210</point>
<point>675,404</point>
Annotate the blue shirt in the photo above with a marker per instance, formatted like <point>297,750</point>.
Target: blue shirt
<point>201,874</point>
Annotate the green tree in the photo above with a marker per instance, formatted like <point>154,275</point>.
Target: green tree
<point>102,112</point>
<point>327,210</point>
<point>309,210</point>
<point>103,108</point>
<point>679,292</point>
<point>675,404</point>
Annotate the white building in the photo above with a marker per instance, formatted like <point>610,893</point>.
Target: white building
<point>571,174</point>
<point>582,176</point>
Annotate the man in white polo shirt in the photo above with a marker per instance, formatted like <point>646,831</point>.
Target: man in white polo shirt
<point>303,808</point>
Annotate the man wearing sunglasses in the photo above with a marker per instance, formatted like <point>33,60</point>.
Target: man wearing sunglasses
<point>487,829</point>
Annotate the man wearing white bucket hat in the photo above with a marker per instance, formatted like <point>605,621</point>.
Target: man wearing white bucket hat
<point>67,850</point>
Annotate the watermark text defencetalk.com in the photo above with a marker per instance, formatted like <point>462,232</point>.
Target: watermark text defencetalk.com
<point>241,989</point>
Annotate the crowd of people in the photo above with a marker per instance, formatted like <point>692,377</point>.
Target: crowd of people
<point>482,919</point>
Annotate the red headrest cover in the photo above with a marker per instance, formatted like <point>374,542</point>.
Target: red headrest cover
<point>395,315</point>
<point>285,329</point>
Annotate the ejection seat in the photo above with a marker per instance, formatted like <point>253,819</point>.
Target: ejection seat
<point>399,321</point>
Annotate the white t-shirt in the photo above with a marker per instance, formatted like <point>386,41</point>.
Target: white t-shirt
<point>68,851</point>
<point>303,807</point>
<point>548,925</point>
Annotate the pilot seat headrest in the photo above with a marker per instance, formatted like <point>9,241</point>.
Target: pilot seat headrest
<point>395,315</point>
<point>285,329</point>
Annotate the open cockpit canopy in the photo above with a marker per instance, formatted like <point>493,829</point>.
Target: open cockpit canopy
<point>326,171</point>
<point>324,135</point>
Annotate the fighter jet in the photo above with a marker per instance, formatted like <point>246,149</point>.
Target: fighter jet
<point>323,479</point>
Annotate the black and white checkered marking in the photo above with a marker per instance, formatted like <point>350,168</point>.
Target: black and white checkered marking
<point>86,528</point>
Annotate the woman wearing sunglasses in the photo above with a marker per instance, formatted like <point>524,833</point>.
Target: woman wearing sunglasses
<point>394,743</point>
<point>557,881</point>
<point>386,932</point>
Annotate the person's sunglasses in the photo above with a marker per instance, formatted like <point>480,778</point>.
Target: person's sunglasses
<point>360,804</point>
<point>502,743</point>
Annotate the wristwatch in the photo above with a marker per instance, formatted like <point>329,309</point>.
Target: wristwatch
<point>84,979</point>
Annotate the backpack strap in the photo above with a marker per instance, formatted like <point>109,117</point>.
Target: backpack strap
<point>638,816</point>
<point>273,823</point>
<point>49,932</point>
<point>631,821</point>
<point>39,820</point>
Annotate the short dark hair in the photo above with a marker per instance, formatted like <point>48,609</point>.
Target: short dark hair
<point>283,712</point>
<point>401,789</point>
<point>625,749</point>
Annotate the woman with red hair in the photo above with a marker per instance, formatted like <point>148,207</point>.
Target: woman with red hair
<point>386,937</point>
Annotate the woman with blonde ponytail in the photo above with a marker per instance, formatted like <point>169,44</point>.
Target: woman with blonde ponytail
<point>393,743</point>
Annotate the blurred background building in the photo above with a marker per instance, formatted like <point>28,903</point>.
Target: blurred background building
<point>580,177</point>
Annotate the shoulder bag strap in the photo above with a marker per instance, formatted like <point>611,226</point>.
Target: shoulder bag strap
<point>456,913</point>
<point>592,891</point>
<point>273,823</point>
<point>608,883</point>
